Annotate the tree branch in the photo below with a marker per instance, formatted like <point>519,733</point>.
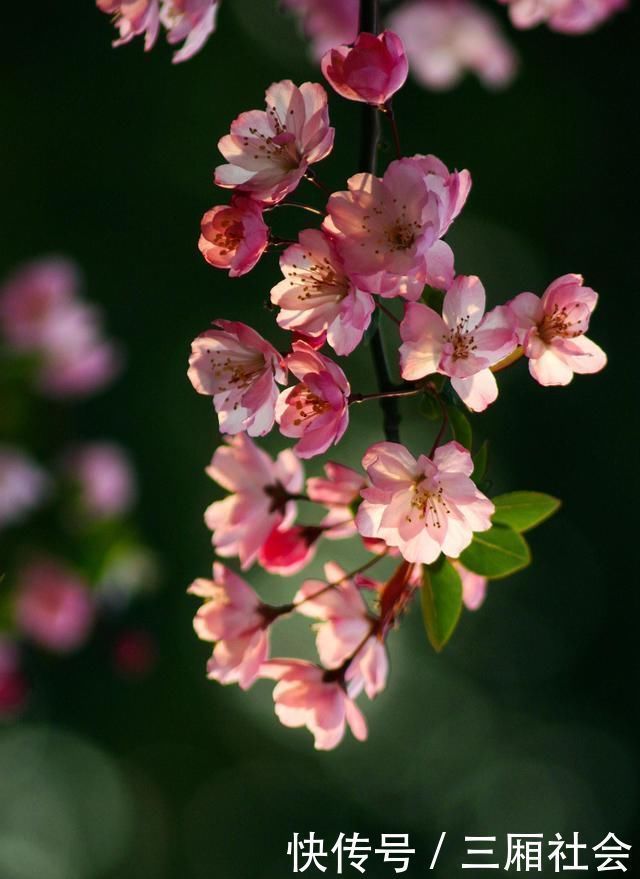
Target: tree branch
<point>370,136</point>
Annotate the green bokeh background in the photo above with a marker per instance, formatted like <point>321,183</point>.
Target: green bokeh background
<point>526,722</point>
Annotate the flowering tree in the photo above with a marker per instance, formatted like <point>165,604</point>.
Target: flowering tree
<point>373,263</point>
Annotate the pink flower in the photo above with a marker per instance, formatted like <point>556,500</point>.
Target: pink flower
<point>234,237</point>
<point>260,497</point>
<point>190,20</point>
<point>270,151</point>
<point>288,550</point>
<point>76,359</point>
<point>53,606</point>
<point>239,369</point>
<point>104,478</point>
<point>341,488</point>
<point>33,298</point>
<point>347,629</point>
<point>327,23</point>
<point>474,586</point>
<point>317,409</point>
<point>387,229</point>
<point>565,16</point>
<point>307,695</point>
<point>552,331</point>
<point>317,297</point>
<point>446,38</point>
<point>462,344</point>
<point>132,18</point>
<point>423,507</point>
<point>371,71</point>
<point>23,485</point>
<point>234,617</point>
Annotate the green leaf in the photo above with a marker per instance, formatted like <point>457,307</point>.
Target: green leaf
<point>497,553</point>
<point>441,596</point>
<point>480,461</point>
<point>430,408</point>
<point>522,510</point>
<point>460,427</point>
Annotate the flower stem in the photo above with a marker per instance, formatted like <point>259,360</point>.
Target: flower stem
<point>508,360</point>
<point>311,177</point>
<point>362,398</point>
<point>296,204</point>
<point>365,567</point>
<point>370,136</point>
<point>445,419</point>
<point>388,111</point>
<point>388,312</point>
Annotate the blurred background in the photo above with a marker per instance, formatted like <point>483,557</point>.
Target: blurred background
<point>526,722</point>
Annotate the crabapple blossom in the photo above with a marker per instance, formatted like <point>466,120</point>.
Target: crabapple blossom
<point>371,70</point>
<point>340,487</point>
<point>387,229</point>
<point>234,617</point>
<point>423,507</point>
<point>474,586</point>
<point>346,630</point>
<point>134,18</point>
<point>53,606</point>
<point>307,695</point>
<point>288,550</point>
<point>317,409</point>
<point>317,298</point>
<point>104,478</point>
<point>327,23</point>
<point>190,20</point>
<point>260,498</point>
<point>234,237</point>
<point>462,344</point>
<point>551,330</point>
<point>444,39</point>
<point>23,485</point>
<point>270,151</point>
<point>564,16</point>
<point>239,369</point>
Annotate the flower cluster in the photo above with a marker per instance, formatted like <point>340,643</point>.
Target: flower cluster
<point>564,16</point>
<point>377,248</point>
<point>190,22</point>
<point>53,590</point>
<point>44,320</point>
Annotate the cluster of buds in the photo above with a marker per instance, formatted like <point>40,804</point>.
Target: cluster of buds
<point>71,552</point>
<point>378,245</point>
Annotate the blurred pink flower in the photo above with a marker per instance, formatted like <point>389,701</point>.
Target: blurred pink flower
<point>270,151</point>
<point>346,630</point>
<point>423,507</point>
<point>234,617</point>
<point>317,409</point>
<point>474,586</point>
<point>234,237</point>
<point>32,298</point>
<point>260,498</point>
<point>239,369</point>
<point>53,608</point>
<point>307,695</point>
<point>133,18</point>
<point>317,298</point>
<point>565,16</point>
<point>371,70</point>
<point>462,344</point>
<point>23,485</point>
<point>446,38</point>
<point>327,23</point>
<point>551,330</point>
<point>190,20</point>
<point>104,477</point>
